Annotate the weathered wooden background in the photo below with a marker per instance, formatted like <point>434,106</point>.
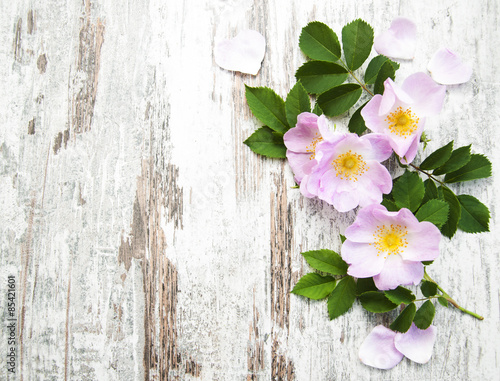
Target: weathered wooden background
<point>148,243</point>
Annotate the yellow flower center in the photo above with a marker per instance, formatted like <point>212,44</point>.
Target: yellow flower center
<point>349,166</point>
<point>312,148</point>
<point>402,122</point>
<point>390,240</point>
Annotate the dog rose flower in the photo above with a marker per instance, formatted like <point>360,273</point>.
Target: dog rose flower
<point>389,246</point>
<point>401,111</point>
<point>384,348</point>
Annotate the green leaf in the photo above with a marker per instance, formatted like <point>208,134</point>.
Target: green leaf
<point>314,286</point>
<point>431,191</point>
<point>400,295</point>
<point>319,42</point>
<point>265,141</point>
<point>342,238</point>
<point>357,41</point>
<point>338,100</point>
<point>404,320</point>
<point>364,285</point>
<point>342,297</point>
<point>449,228</point>
<point>475,216</point>
<point>268,107</point>
<point>386,71</point>
<point>457,160</point>
<point>375,301</point>
<point>438,157</point>
<point>478,167</point>
<point>408,191</point>
<point>374,67</point>
<point>327,261</point>
<point>297,102</point>
<point>317,110</point>
<point>389,203</point>
<point>425,315</point>
<point>435,211</point>
<point>443,301</point>
<point>428,288</point>
<point>320,76</point>
<point>357,123</point>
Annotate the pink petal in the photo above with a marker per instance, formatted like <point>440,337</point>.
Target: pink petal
<point>326,133</point>
<point>363,259</point>
<point>397,272</point>
<point>428,96</point>
<point>370,113</point>
<point>379,179</point>
<point>412,150</point>
<point>399,41</point>
<point>378,349</point>
<point>448,69</point>
<point>300,163</point>
<point>416,344</point>
<point>423,244</point>
<point>304,189</point>
<point>381,146</point>
<point>300,137</point>
<point>365,224</point>
<point>244,53</point>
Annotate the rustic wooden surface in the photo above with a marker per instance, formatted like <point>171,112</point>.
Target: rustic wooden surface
<point>148,243</point>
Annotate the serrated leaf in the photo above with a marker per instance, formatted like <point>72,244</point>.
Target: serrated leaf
<point>434,211</point>
<point>400,295</point>
<point>428,288</point>
<point>364,285</point>
<point>320,76</point>
<point>317,110</point>
<point>374,67</point>
<point>386,71</point>
<point>408,191</point>
<point>424,316</point>
<point>457,160</point>
<point>478,167</point>
<point>338,100</point>
<point>357,41</point>
<point>404,320</point>
<point>357,123</point>
<point>475,216</point>
<point>268,107</point>
<point>327,261</point>
<point>297,102</point>
<point>389,203</point>
<point>431,191</point>
<point>342,297</point>
<point>438,157</point>
<point>265,141</point>
<point>449,228</point>
<point>314,286</point>
<point>319,42</point>
<point>443,301</point>
<point>375,301</point>
<point>342,238</point>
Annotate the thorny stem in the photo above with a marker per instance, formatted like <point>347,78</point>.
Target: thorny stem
<point>427,173</point>
<point>450,300</point>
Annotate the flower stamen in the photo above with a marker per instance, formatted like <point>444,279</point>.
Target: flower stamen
<point>390,240</point>
<point>402,122</point>
<point>348,166</point>
<point>312,148</point>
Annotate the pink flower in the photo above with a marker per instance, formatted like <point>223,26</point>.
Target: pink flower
<point>399,41</point>
<point>400,112</point>
<point>447,68</point>
<point>384,349</point>
<point>389,246</point>
<point>349,172</point>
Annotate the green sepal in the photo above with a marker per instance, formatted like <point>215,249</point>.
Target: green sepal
<point>386,71</point>
<point>268,107</point>
<point>434,211</point>
<point>338,100</point>
<point>342,238</point>
<point>375,301</point>
<point>438,157</point>
<point>357,123</point>
<point>265,141</point>
<point>479,167</point>
<point>428,288</point>
<point>408,191</point>
<point>319,42</point>
<point>424,316</point>
<point>357,41</point>
<point>314,286</point>
<point>400,295</point>
<point>327,261</point>
<point>374,67</point>
<point>457,160</point>
<point>475,216</point>
<point>320,76</point>
<point>449,228</point>
<point>427,263</point>
<point>364,285</point>
<point>342,297</point>
<point>297,102</point>
<point>403,321</point>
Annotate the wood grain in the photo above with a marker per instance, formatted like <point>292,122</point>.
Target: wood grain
<point>149,243</point>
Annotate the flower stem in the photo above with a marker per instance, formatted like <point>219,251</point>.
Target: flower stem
<point>450,300</point>
<point>428,174</point>
<point>363,85</point>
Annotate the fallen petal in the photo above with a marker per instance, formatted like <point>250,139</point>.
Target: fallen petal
<point>378,349</point>
<point>447,68</point>
<point>399,41</point>
<point>416,344</point>
<point>244,53</point>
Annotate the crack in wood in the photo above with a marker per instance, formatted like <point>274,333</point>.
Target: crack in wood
<point>255,348</point>
<point>17,41</point>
